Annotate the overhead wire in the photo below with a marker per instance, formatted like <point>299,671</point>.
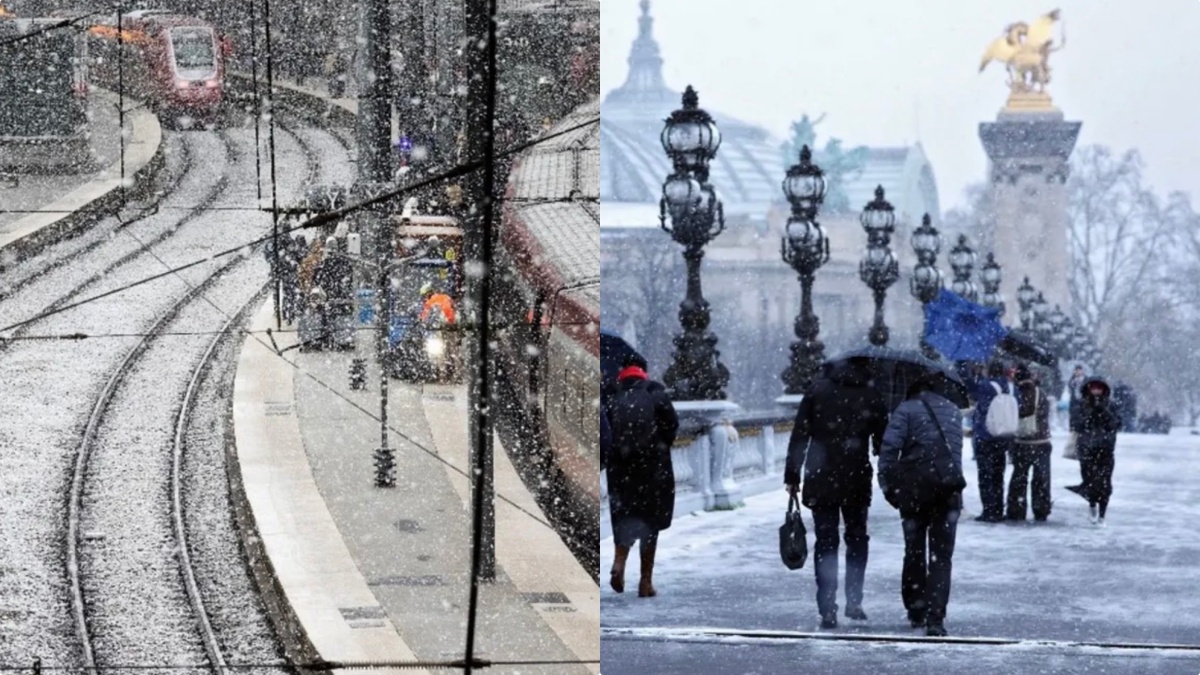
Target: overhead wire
<point>319,220</point>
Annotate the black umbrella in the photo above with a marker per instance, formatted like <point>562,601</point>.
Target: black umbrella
<point>893,371</point>
<point>614,353</point>
<point>1024,346</point>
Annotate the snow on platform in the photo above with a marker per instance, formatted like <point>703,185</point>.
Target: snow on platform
<point>383,573</point>
<point>1136,582</point>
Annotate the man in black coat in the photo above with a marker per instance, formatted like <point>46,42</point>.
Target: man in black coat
<point>641,477</point>
<point>838,416</point>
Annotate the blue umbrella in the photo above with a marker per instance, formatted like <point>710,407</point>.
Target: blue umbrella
<point>961,330</point>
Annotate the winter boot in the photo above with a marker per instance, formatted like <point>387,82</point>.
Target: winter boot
<point>829,621</point>
<point>1094,514</point>
<point>935,629</point>
<point>856,612</point>
<point>617,576</point>
<point>646,586</point>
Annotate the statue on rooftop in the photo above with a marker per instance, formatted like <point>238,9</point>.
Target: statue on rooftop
<point>1025,48</point>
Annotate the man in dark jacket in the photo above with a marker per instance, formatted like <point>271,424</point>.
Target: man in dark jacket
<point>925,423</point>
<point>1031,450</point>
<point>991,452</point>
<point>1096,445</point>
<point>641,477</point>
<point>839,414</point>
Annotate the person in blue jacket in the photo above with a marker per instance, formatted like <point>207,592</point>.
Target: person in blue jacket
<point>991,453</point>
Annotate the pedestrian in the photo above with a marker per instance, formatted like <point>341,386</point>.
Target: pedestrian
<point>641,478</point>
<point>925,431</point>
<point>839,416</point>
<point>1098,427</point>
<point>1073,391</point>
<point>1031,451</point>
<point>993,433</point>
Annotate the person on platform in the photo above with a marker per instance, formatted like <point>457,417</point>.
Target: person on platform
<point>641,477</point>
<point>1031,451</point>
<point>840,415</point>
<point>926,426</point>
<point>435,301</point>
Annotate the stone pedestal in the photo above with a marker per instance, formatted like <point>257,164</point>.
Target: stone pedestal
<point>714,468</point>
<point>1029,147</point>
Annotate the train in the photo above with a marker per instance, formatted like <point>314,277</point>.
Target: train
<point>547,290</point>
<point>175,63</point>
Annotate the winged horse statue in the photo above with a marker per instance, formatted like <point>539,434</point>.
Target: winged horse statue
<point>1026,48</point>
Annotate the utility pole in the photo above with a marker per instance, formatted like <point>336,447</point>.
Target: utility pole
<point>481,111</point>
<point>374,170</point>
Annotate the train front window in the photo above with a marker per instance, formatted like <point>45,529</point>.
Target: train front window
<point>411,278</point>
<point>193,47</point>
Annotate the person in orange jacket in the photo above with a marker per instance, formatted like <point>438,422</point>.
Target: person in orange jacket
<point>439,301</point>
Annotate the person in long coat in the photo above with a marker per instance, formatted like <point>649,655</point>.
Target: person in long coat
<point>1096,445</point>
<point>922,424</point>
<point>641,477</point>
<point>1031,452</point>
<point>840,414</point>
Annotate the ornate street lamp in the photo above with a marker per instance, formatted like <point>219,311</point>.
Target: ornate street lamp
<point>962,261</point>
<point>690,139</point>
<point>1041,318</point>
<point>879,269</point>
<point>805,247</point>
<point>1058,329</point>
<point>1026,295</point>
<point>992,277</point>
<point>926,281</point>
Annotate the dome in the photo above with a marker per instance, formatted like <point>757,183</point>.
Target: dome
<point>746,172</point>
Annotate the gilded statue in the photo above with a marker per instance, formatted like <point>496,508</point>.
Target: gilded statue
<point>1025,48</point>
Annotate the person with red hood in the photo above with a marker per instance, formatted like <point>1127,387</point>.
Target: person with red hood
<point>641,477</point>
<point>1098,427</point>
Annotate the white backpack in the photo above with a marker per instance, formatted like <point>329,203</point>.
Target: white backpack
<point>1028,427</point>
<point>1002,416</point>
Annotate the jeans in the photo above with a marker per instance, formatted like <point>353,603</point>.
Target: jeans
<point>825,555</point>
<point>1027,456</point>
<point>928,552</point>
<point>991,458</point>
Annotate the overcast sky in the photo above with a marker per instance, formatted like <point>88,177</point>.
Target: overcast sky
<point>890,72</point>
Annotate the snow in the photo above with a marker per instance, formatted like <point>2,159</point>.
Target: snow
<point>1133,581</point>
<point>138,610</point>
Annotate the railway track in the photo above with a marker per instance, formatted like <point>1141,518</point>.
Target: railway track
<point>68,618</point>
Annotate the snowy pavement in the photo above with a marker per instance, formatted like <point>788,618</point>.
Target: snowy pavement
<point>1136,581</point>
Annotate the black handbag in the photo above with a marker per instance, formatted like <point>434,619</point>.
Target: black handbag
<point>929,478</point>
<point>793,538</point>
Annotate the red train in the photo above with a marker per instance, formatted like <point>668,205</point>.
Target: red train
<point>176,64</point>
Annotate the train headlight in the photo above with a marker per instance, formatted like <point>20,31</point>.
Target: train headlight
<point>182,84</point>
<point>212,84</point>
<point>435,346</point>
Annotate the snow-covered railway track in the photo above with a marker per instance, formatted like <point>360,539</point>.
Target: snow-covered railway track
<point>52,386</point>
<point>75,508</point>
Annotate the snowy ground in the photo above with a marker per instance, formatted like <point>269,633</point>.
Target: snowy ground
<point>1064,581</point>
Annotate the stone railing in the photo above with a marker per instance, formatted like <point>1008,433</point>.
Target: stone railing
<point>720,460</point>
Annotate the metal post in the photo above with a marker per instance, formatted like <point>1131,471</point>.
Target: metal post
<point>257,101</point>
<point>271,142</point>
<point>121,91</point>
<point>385,457</point>
<point>481,108</point>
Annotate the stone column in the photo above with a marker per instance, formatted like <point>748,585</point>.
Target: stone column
<point>1029,152</point>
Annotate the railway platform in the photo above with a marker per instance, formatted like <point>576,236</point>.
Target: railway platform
<point>382,574</point>
<point>43,205</point>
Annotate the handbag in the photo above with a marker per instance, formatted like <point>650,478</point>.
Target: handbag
<point>793,538</point>
<point>914,482</point>
<point>1070,451</point>
<point>1027,427</point>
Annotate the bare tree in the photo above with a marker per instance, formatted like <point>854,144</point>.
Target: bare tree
<point>1117,227</point>
<point>645,285</point>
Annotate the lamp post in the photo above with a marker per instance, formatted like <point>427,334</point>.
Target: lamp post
<point>1058,329</point>
<point>992,277</point>
<point>690,139</point>
<point>805,248</point>
<point>1041,318</point>
<point>879,269</point>
<point>1026,295</point>
<point>926,281</point>
<point>962,261</point>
